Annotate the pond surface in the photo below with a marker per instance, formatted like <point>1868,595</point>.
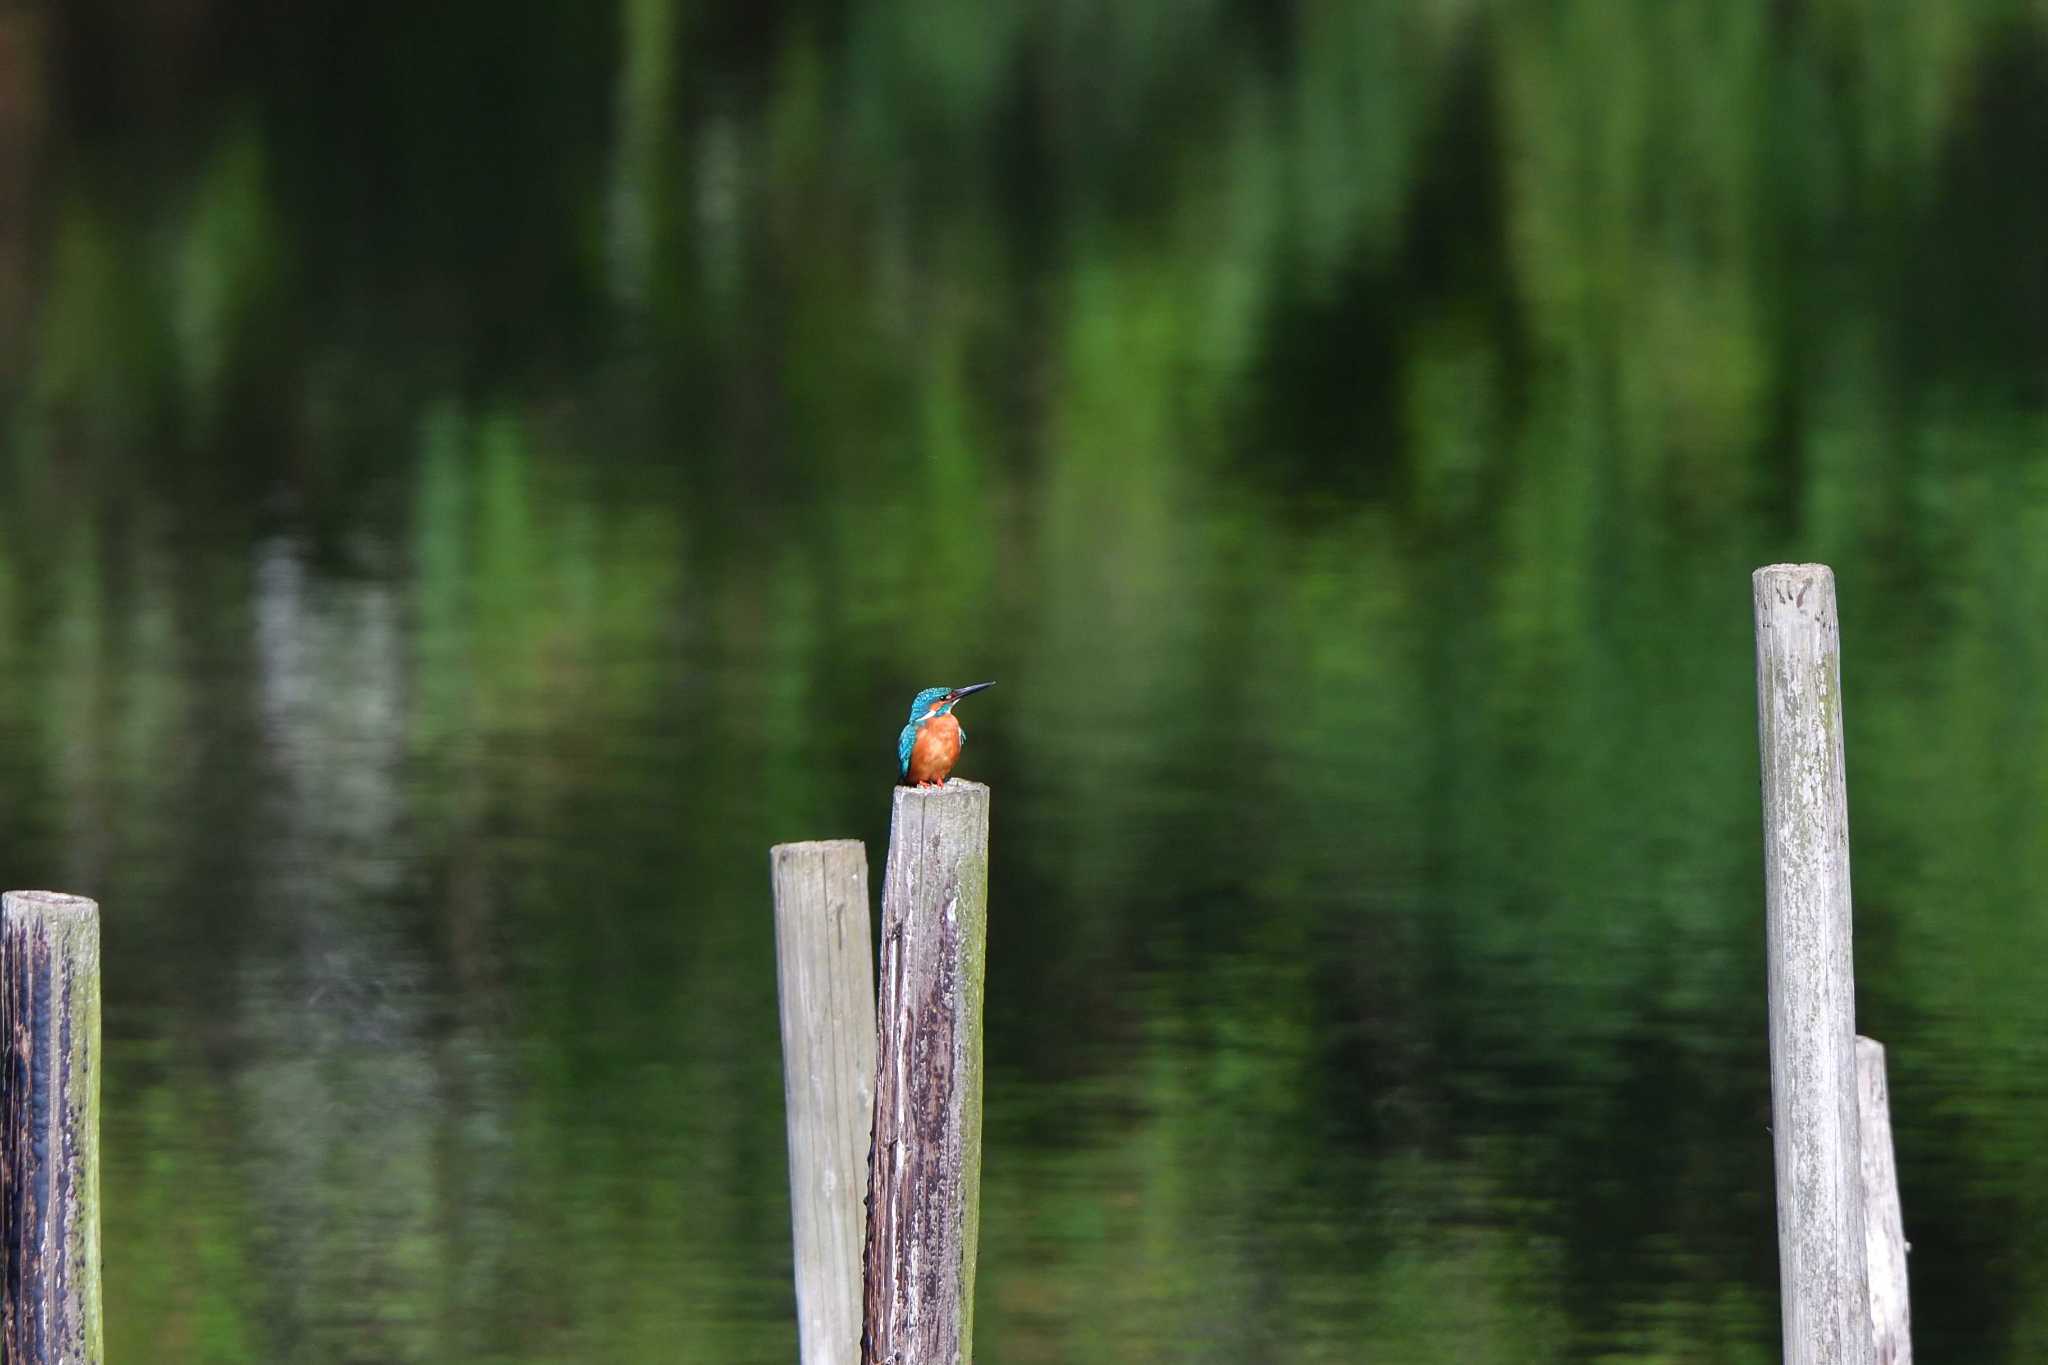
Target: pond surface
<point>470,483</point>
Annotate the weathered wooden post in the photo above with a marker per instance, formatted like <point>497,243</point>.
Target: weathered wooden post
<point>826,984</point>
<point>50,1146</point>
<point>1821,1253</point>
<point>924,1168</point>
<point>1884,1229</point>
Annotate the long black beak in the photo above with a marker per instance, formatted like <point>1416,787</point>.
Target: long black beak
<point>960,692</point>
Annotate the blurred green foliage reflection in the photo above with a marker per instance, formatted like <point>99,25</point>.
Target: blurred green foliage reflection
<point>474,476</point>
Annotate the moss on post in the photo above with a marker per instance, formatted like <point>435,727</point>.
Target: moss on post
<point>924,1165</point>
<point>50,1145</point>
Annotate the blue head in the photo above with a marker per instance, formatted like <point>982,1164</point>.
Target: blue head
<point>933,701</point>
<point>940,701</point>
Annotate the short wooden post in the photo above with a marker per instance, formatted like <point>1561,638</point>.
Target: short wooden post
<point>924,1169</point>
<point>826,982</point>
<point>50,1146</point>
<point>1821,1253</point>
<point>1883,1227</point>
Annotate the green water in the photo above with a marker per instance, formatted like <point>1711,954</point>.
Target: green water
<point>476,476</point>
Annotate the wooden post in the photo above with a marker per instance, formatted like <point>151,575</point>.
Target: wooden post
<point>826,982</point>
<point>924,1168</point>
<point>50,1145</point>
<point>1821,1254</point>
<point>1883,1228</point>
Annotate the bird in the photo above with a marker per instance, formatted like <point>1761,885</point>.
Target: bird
<point>930,743</point>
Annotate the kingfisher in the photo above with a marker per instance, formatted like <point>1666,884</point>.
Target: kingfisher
<point>930,743</point>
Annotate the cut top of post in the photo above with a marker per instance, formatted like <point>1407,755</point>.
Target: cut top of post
<point>812,845</point>
<point>52,903</point>
<point>953,784</point>
<point>1794,585</point>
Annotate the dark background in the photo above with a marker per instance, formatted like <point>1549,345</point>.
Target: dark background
<point>473,475</point>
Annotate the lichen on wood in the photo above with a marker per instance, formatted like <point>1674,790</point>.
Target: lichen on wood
<point>49,1140</point>
<point>924,1176</point>
<point>1812,990</point>
<point>826,986</point>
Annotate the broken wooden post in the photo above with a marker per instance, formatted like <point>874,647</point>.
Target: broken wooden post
<point>50,1144</point>
<point>1884,1228</point>
<point>825,979</point>
<point>1821,1253</point>
<point>924,1168</point>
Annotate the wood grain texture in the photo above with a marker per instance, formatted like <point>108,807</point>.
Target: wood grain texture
<point>1821,1255</point>
<point>924,1167</point>
<point>50,1145</point>
<point>1884,1229</point>
<point>826,985</point>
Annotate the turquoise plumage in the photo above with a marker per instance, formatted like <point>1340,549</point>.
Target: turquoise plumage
<point>929,704</point>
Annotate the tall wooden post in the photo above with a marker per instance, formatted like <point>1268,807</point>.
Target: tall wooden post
<point>1821,1254</point>
<point>924,1169</point>
<point>50,1142</point>
<point>826,984</point>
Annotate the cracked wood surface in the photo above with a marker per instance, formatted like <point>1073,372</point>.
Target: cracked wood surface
<point>825,980</point>
<point>49,1147</point>
<point>1814,1123</point>
<point>924,1165</point>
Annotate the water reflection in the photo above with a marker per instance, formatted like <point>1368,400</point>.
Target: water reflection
<point>470,486</point>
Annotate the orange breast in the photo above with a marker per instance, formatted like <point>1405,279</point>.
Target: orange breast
<point>936,750</point>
